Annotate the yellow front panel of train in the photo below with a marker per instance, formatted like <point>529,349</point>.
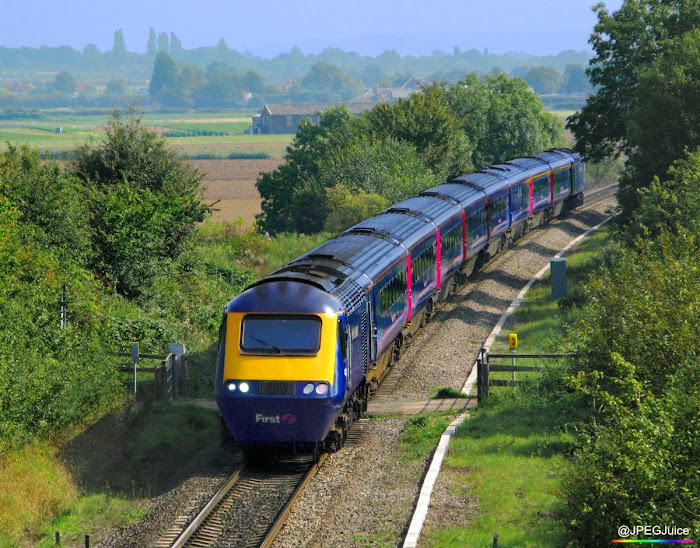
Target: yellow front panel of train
<point>272,367</point>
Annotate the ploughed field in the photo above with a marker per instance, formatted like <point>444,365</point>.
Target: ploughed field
<point>232,182</point>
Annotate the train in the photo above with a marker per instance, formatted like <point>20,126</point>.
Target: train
<point>302,349</point>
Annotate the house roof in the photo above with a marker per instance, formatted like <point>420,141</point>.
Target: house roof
<point>309,109</point>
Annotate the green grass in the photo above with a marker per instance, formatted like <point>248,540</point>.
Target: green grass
<point>509,457</point>
<point>421,434</point>
<point>77,129</point>
<point>562,113</point>
<point>236,127</point>
<point>38,138</point>
<point>93,515</point>
<point>103,476</point>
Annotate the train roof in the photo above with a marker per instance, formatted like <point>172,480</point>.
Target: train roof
<point>285,296</point>
<point>438,209</point>
<point>464,194</point>
<point>361,253</point>
<point>488,182</point>
<point>405,227</point>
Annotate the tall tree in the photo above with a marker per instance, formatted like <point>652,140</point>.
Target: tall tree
<point>502,118</point>
<point>65,83</point>
<point>328,83</point>
<point>625,42</point>
<point>426,121</point>
<point>163,42</point>
<point>663,121</point>
<point>312,143</point>
<point>146,206</point>
<point>119,46</point>
<point>544,80</point>
<point>576,80</point>
<point>163,87</point>
<point>175,44</point>
<point>152,46</point>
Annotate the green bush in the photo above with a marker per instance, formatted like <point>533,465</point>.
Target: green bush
<point>639,456</point>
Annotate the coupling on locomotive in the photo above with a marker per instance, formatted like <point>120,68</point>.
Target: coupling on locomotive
<point>301,349</point>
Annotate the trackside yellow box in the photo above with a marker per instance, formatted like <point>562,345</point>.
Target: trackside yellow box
<point>513,341</point>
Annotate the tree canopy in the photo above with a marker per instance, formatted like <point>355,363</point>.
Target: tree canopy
<point>645,75</point>
<point>146,203</point>
<point>502,118</point>
<point>396,150</point>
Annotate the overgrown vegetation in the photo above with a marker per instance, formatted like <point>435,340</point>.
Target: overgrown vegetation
<point>638,369</point>
<point>638,365</point>
<point>106,252</point>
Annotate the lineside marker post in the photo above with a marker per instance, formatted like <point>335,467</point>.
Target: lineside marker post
<point>513,345</point>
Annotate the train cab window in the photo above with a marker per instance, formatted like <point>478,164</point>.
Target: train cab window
<point>281,334</point>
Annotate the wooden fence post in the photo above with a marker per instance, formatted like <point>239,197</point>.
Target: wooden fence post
<point>482,378</point>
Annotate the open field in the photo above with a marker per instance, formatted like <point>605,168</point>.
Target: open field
<point>78,129</point>
<point>232,182</point>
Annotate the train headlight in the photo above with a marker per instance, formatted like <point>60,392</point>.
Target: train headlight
<point>309,388</point>
<point>244,387</point>
<point>231,386</point>
<point>322,388</point>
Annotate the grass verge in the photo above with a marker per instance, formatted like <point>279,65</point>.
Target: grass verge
<point>104,476</point>
<point>507,461</point>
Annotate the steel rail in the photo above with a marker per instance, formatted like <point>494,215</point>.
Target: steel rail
<point>285,511</point>
<point>207,510</point>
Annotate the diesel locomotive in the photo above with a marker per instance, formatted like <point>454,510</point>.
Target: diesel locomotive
<point>301,349</point>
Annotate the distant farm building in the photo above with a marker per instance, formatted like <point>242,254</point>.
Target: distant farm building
<point>285,117</point>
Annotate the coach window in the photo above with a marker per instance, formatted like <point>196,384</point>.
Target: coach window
<point>392,292</point>
<point>540,187</point>
<point>498,210</point>
<point>452,242</point>
<point>519,198</point>
<point>477,222</point>
<point>423,264</point>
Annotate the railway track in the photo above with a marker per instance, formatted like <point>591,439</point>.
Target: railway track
<point>251,507</point>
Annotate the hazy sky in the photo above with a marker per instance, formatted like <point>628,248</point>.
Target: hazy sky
<point>268,27</point>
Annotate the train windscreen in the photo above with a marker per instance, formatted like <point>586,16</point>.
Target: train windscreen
<point>281,334</point>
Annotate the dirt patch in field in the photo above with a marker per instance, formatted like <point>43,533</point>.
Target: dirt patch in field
<point>232,183</point>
